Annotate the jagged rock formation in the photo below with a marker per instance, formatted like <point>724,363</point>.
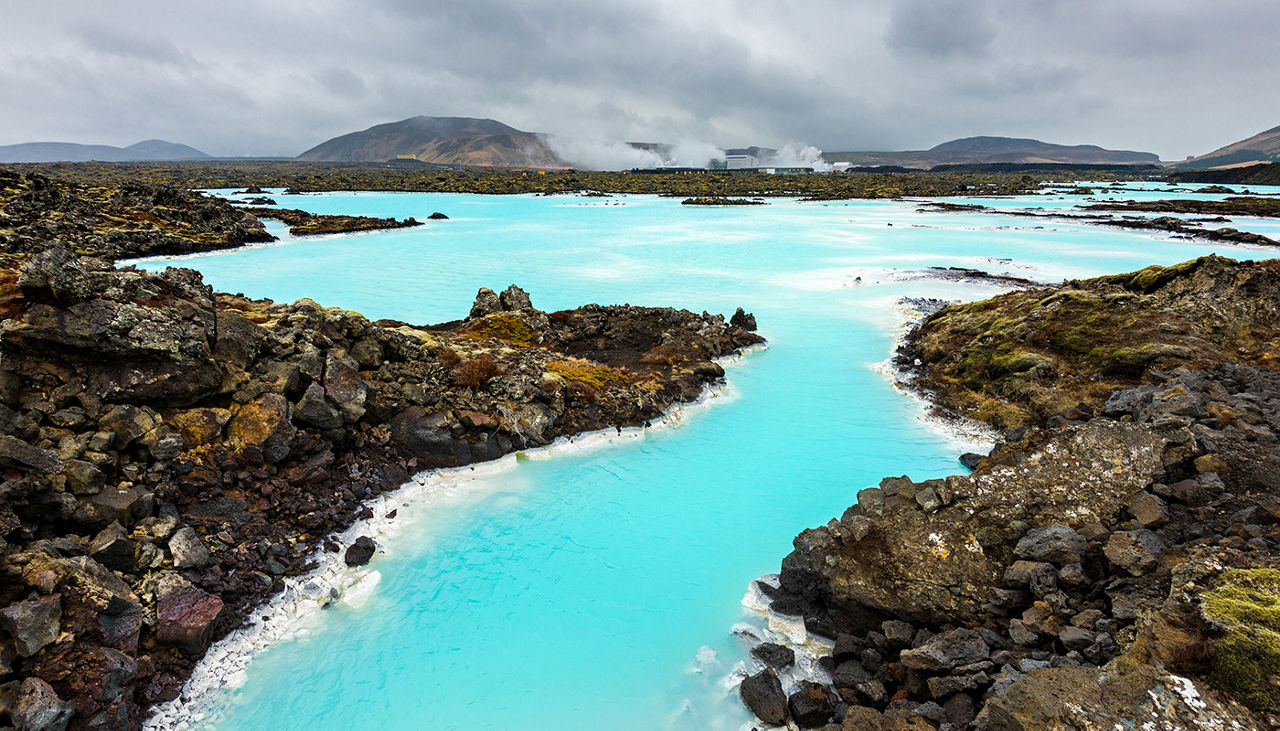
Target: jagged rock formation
<point>1104,567</point>
<point>169,454</point>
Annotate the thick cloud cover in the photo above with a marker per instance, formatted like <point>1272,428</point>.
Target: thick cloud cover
<point>1176,77</point>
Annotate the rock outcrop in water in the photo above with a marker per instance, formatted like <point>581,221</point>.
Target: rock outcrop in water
<point>170,454</point>
<point>1110,565</point>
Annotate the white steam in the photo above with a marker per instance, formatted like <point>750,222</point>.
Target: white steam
<point>598,155</point>
<point>591,154</point>
<point>800,156</point>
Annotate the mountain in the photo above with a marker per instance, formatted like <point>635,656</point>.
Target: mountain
<point>147,150</point>
<point>162,150</point>
<point>1262,147</point>
<point>986,150</point>
<point>461,141</point>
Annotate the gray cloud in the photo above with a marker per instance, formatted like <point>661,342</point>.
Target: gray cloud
<point>941,28</point>
<point>240,77</point>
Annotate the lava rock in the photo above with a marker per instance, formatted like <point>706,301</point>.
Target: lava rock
<point>113,548</point>
<point>360,551</point>
<point>1137,552</point>
<point>33,623</point>
<point>744,320</point>
<point>514,298</point>
<point>848,674</point>
<point>762,694</point>
<point>188,549</point>
<point>947,650</point>
<point>185,614</point>
<point>1149,510</point>
<point>486,303</point>
<point>774,655</point>
<point>18,454</point>
<point>812,705</point>
<point>38,708</point>
<point>1057,543</point>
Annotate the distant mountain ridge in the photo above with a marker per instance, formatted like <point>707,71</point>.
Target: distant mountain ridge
<point>460,141</point>
<point>988,150</point>
<point>1262,147</point>
<point>145,151</point>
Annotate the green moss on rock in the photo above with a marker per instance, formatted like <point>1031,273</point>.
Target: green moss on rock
<point>1246,663</point>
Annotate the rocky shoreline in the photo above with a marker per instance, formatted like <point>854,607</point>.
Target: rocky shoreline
<point>302,223</point>
<point>173,457</point>
<point>1109,564</point>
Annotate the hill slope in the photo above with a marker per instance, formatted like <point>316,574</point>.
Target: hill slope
<point>147,150</point>
<point>1262,147</point>
<point>986,150</point>
<point>463,141</point>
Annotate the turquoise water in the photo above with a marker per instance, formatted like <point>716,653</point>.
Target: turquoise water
<point>598,588</point>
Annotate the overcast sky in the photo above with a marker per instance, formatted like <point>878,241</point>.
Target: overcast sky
<point>1175,77</point>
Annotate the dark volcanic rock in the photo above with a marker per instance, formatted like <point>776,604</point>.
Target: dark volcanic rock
<point>1137,551</point>
<point>359,552</point>
<point>188,550</point>
<point>744,320</point>
<point>774,655</point>
<point>762,694</point>
<point>38,708</point>
<point>33,623</point>
<point>812,705</point>
<point>185,614</point>
<point>947,651</point>
<point>1056,543</point>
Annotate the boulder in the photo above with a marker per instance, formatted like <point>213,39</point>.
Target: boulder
<point>344,388</point>
<point>486,303</point>
<point>188,549</point>
<point>812,705</point>
<point>33,623</point>
<point>127,423</point>
<point>947,650</point>
<point>83,478</point>
<point>744,320</point>
<point>263,423</point>
<point>125,505</point>
<point>38,708</point>
<point>762,694</point>
<point>312,409</point>
<point>774,655</point>
<point>185,614</point>
<point>1057,543</point>
<point>18,454</point>
<point>1149,510</point>
<point>849,673</point>
<point>113,548</point>
<point>54,275</point>
<point>427,437</point>
<point>360,551</point>
<point>514,298</point>
<point>897,632</point>
<point>944,686</point>
<point>199,426</point>
<point>1137,551</point>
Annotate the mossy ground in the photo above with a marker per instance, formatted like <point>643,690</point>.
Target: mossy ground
<point>1024,356</point>
<point>587,373</point>
<point>508,328</point>
<point>1246,663</point>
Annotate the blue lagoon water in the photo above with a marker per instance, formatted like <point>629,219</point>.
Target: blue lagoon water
<point>598,588</point>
